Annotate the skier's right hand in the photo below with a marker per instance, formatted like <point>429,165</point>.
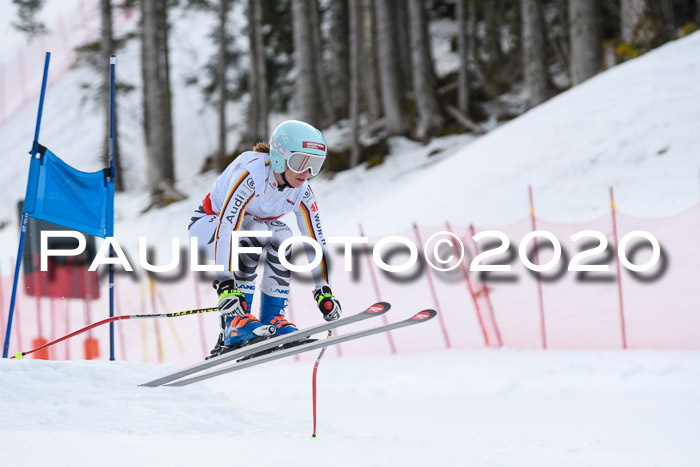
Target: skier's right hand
<point>231,300</point>
<point>327,303</point>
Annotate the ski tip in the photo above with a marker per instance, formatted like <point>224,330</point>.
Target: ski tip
<point>150,384</point>
<point>379,307</point>
<point>424,315</point>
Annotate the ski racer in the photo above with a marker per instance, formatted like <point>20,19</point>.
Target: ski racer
<point>252,194</point>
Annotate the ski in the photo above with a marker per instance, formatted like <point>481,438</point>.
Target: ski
<point>419,317</point>
<point>377,309</point>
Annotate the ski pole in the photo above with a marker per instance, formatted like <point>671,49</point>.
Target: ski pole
<point>313,380</point>
<point>19,355</point>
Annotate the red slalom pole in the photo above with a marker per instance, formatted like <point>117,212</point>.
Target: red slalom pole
<point>66,315</point>
<point>619,273</point>
<point>313,381</point>
<point>19,355</point>
<point>543,333</point>
<point>198,302</point>
<point>477,308</point>
<point>159,342</point>
<point>485,290</point>
<point>118,309</point>
<point>433,292</point>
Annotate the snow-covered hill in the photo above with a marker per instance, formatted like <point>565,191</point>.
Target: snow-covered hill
<point>499,408</point>
<point>634,127</point>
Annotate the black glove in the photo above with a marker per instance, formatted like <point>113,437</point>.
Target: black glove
<point>327,303</point>
<point>231,300</point>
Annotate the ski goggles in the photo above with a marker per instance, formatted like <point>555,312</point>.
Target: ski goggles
<point>299,162</point>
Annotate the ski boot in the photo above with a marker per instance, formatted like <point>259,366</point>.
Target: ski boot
<point>273,305</point>
<point>247,288</point>
<point>238,326</point>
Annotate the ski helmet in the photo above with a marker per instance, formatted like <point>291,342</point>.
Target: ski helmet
<point>297,145</point>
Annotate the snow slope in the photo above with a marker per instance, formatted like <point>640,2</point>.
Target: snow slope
<point>497,408</point>
<point>634,127</point>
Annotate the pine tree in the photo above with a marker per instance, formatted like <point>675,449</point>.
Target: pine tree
<point>370,82</point>
<point>107,49</point>
<point>257,75</point>
<point>584,35</point>
<point>430,117</point>
<point>340,55</point>
<point>634,31</point>
<point>536,77</point>
<point>27,11</point>
<point>327,111</point>
<point>388,68</point>
<point>463,50</point>
<point>157,106</point>
<point>402,39</point>
<point>355,28</point>
<point>221,84</point>
<point>306,89</point>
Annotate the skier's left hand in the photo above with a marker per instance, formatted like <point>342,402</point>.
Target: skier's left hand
<point>327,303</point>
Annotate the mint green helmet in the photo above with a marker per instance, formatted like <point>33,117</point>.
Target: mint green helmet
<point>297,145</point>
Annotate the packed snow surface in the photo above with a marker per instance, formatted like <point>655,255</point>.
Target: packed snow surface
<point>497,408</point>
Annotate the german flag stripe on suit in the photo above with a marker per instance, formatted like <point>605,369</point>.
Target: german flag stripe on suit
<point>222,214</point>
<point>312,233</point>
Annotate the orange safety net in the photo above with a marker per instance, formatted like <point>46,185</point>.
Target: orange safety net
<point>566,310</point>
